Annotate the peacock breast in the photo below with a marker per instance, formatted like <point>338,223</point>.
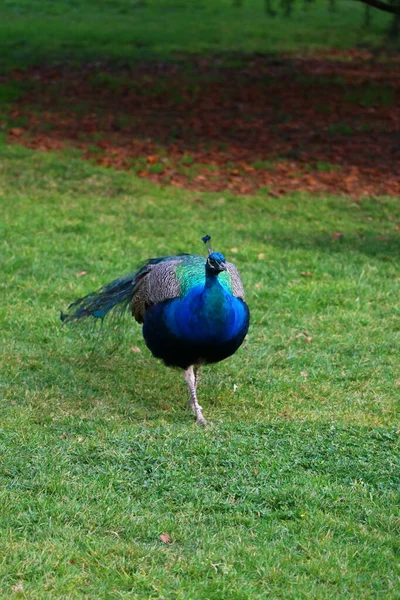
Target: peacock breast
<point>207,315</point>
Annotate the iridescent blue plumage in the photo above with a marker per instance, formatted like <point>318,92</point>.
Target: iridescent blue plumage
<point>206,325</point>
<point>192,309</point>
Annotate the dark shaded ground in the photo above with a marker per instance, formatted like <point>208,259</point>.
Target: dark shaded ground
<point>321,124</point>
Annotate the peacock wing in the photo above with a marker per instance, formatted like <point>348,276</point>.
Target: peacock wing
<point>235,283</point>
<point>172,277</point>
<point>163,279</point>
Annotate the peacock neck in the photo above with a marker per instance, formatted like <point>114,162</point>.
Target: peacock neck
<point>206,313</point>
<point>213,298</point>
<point>212,284</point>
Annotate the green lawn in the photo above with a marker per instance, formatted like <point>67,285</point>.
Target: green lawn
<point>37,31</point>
<point>291,493</point>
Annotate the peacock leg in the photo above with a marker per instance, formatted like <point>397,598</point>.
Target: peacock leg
<point>196,370</point>
<point>191,380</point>
<point>196,379</point>
<point>191,401</point>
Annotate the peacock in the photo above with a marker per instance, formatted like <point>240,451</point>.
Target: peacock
<point>192,308</point>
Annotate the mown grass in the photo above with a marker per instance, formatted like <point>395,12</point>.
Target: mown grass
<point>41,31</point>
<point>291,493</point>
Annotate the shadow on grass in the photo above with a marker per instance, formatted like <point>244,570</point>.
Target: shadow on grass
<point>382,247</point>
<point>108,387</point>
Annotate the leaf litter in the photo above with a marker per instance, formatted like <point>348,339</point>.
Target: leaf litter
<point>317,123</point>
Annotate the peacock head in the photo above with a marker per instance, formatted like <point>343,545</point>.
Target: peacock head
<point>215,263</point>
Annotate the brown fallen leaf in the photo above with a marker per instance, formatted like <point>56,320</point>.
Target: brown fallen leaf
<point>306,274</point>
<point>337,235</point>
<point>165,538</point>
<point>305,336</point>
<point>136,349</point>
<point>81,274</point>
<point>232,156</point>
<point>16,131</point>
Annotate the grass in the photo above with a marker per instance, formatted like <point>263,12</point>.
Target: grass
<point>292,493</point>
<point>43,31</point>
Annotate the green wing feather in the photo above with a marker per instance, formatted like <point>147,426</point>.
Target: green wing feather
<point>173,277</point>
<point>191,273</point>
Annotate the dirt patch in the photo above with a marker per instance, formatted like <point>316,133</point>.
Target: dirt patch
<point>318,124</point>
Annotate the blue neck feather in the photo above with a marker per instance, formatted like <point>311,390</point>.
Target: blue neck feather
<point>208,313</point>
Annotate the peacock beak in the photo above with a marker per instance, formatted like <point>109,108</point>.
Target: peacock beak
<point>222,266</point>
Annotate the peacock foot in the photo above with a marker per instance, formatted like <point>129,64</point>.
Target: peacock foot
<point>192,406</point>
<point>201,421</point>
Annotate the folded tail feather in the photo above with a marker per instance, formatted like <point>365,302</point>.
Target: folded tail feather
<point>117,294</point>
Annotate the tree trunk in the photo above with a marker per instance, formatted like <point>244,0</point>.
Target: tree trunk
<point>286,6</point>
<point>394,27</point>
<point>268,8</point>
<point>367,16</point>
